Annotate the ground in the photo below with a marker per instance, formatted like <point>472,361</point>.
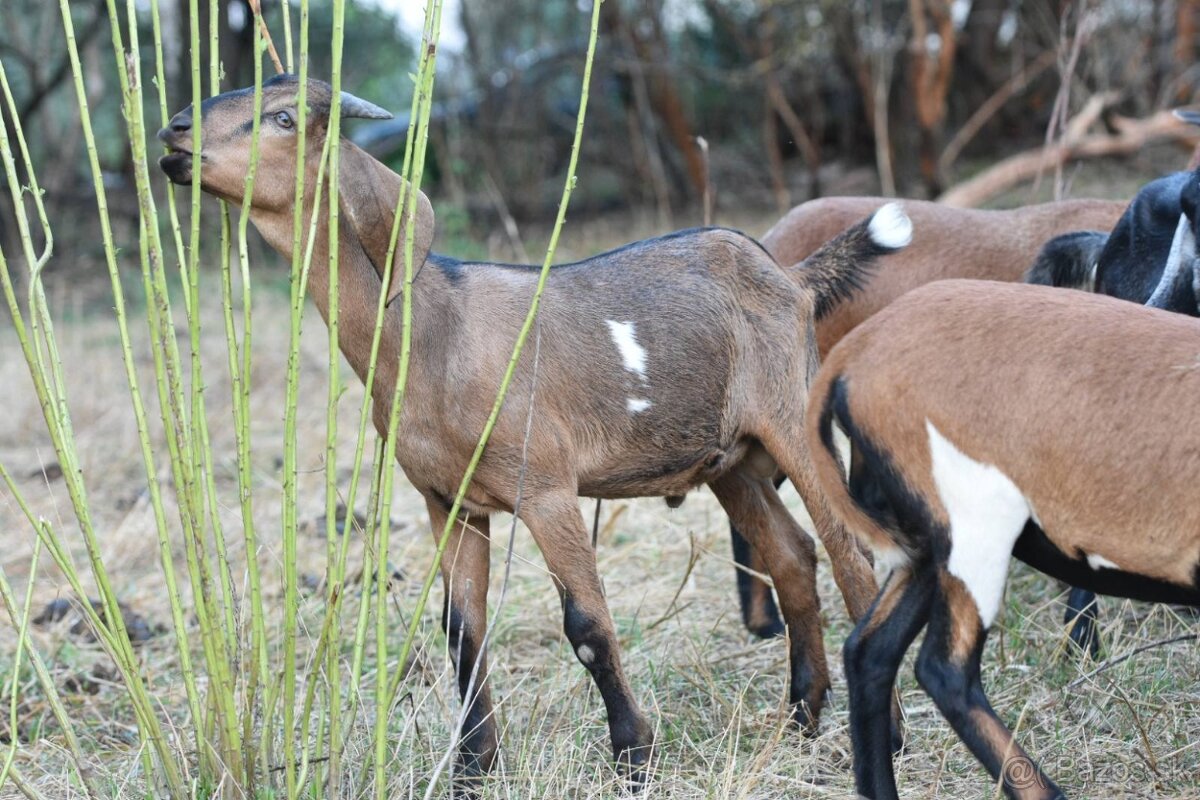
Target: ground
<point>1107,730</point>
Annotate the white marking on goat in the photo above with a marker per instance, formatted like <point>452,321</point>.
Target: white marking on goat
<point>637,405</point>
<point>632,353</point>
<point>890,227</point>
<point>889,559</point>
<point>1183,251</point>
<point>586,654</point>
<point>1098,562</point>
<point>987,513</point>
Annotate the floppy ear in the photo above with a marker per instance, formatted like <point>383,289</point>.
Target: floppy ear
<point>368,193</point>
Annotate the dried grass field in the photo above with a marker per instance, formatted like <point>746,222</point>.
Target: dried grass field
<point>1115,729</point>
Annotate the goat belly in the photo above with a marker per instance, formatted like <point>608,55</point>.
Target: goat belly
<point>663,476</point>
<point>1037,550</point>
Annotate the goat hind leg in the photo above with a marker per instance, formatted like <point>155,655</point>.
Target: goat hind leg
<point>851,565</point>
<point>465,567</point>
<point>754,507</point>
<point>948,670</point>
<point>872,656</point>
<point>760,615</point>
<point>1083,615</point>
<point>561,535</point>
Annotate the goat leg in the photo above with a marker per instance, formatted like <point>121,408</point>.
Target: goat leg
<point>948,671</point>
<point>562,536</point>
<point>465,569</point>
<point>754,507</point>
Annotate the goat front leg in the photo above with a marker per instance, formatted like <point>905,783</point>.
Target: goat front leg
<point>559,530</point>
<point>754,507</point>
<point>465,567</point>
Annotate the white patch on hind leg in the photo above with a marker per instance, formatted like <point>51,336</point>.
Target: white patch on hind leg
<point>987,513</point>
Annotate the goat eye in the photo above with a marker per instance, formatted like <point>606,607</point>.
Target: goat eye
<point>283,119</point>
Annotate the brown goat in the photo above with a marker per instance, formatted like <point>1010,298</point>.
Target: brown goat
<point>667,364</point>
<point>947,243</point>
<point>996,420</point>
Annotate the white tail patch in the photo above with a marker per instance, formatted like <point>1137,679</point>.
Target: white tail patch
<point>987,513</point>
<point>636,405</point>
<point>1098,562</point>
<point>632,354</point>
<point>890,227</point>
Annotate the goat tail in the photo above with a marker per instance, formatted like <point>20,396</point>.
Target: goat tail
<point>854,501</point>
<point>840,268</point>
<point>1068,261</point>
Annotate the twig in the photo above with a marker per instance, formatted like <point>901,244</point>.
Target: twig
<point>693,557</point>
<point>510,224</point>
<point>702,143</point>
<point>256,7</point>
<point>993,104</point>
<point>1187,637</point>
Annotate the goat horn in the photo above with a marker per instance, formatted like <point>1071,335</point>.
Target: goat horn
<point>358,108</point>
<point>1187,115</point>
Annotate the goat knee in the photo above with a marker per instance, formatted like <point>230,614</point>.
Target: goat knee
<point>587,636</point>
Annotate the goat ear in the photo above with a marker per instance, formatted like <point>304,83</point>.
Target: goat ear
<point>358,108</point>
<point>368,194</point>
<point>423,225</point>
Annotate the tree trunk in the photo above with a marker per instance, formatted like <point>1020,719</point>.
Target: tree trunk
<point>650,51</point>
<point>931,51</point>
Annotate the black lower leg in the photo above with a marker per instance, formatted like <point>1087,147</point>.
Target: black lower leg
<point>872,656</point>
<point>631,736</point>
<point>1082,615</point>
<point>948,670</point>
<point>477,739</point>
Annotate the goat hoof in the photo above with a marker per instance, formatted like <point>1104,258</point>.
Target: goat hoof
<point>633,760</point>
<point>466,787</point>
<point>634,764</point>
<point>770,629</point>
<point>807,718</point>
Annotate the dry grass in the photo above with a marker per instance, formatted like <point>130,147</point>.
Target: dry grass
<point>713,691</point>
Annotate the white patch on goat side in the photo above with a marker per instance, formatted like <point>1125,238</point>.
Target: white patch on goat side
<point>890,227</point>
<point>1099,562</point>
<point>632,353</point>
<point>637,405</point>
<point>586,654</point>
<point>987,513</point>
